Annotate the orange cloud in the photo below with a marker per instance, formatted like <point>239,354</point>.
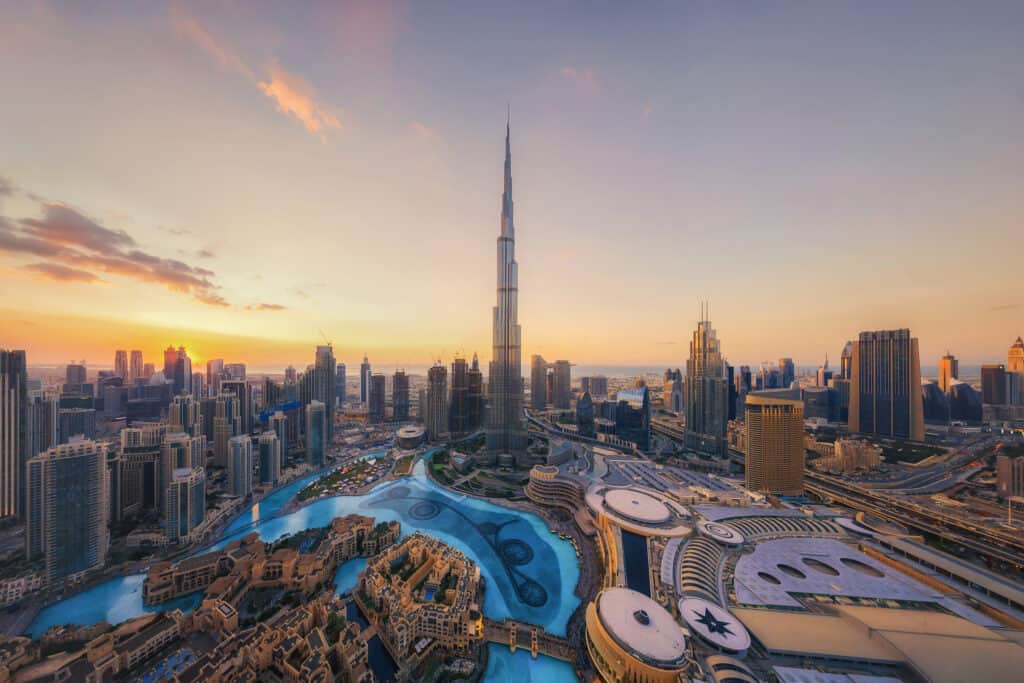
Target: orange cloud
<point>55,271</point>
<point>295,96</point>
<point>188,27</point>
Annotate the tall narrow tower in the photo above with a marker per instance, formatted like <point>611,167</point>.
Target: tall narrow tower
<point>506,433</point>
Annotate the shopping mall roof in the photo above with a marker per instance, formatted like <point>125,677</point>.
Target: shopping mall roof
<point>642,626</point>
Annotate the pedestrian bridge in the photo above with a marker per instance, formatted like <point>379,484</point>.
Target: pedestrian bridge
<point>517,634</point>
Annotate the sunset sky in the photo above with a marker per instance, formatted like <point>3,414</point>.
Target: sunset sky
<point>238,176</point>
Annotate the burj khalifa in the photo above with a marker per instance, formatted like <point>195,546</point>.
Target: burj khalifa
<point>506,431</point>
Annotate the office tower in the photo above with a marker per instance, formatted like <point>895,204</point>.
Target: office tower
<point>135,366</point>
<point>475,396</point>
<point>240,465</point>
<point>67,509</point>
<point>182,376</point>
<point>214,374</point>
<point>672,390</point>
<point>339,385</point>
<point>183,415</point>
<point>562,384</point>
<point>279,424</point>
<point>184,504</point>
<point>226,424</point>
<point>633,416</point>
<point>14,446</point>
<point>846,362</point>
<point>75,383</point>
<point>458,406</point>
<point>141,450</point>
<point>538,382</point>
<point>437,402</point>
<point>76,422</point>
<point>1009,476</point>
<point>43,426</point>
<point>730,387</point>
<point>270,458</point>
<point>179,450</point>
<point>1015,357</point>
<point>198,385</point>
<point>994,384</point>
<point>316,434</point>
<point>400,395</point>
<point>364,380</point>
<point>289,374</point>
<point>707,396</point>
<point>599,387</point>
<point>550,391</point>
<point>824,374</point>
<point>148,370</point>
<point>585,414</point>
<point>243,392</point>
<point>421,405</point>
<point>235,371</point>
<point>949,370</point>
<point>377,399</point>
<point>775,445</point>
<point>506,432</point>
<point>325,389</point>
<point>885,389</point>
<point>121,363</point>
<point>787,372</point>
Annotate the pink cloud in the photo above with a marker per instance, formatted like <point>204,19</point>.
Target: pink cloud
<point>188,27</point>
<point>585,77</point>
<point>295,96</point>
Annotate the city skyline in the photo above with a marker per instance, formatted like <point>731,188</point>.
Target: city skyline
<point>139,240</point>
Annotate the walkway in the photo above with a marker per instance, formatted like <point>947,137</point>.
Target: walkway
<point>517,634</point>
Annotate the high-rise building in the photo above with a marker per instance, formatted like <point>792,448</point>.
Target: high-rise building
<point>475,396</point>
<point>1009,476</point>
<point>214,374</point>
<point>184,504</point>
<point>270,458</point>
<point>325,388</point>
<point>72,422</point>
<point>235,371</point>
<point>459,406</point>
<point>141,450</point>
<point>949,370</point>
<point>121,363</point>
<point>824,374</point>
<point>885,389</point>
<point>226,424</point>
<point>148,370</point>
<point>14,441</point>
<point>538,382</point>
<point>135,367</point>
<point>340,384</point>
<point>437,402</point>
<point>672,390</point>
<point>243,393</point>
<point>400,395</point>
<point>775,445</point>
<point>562,394</point>
<point>598,387</point>
<point>506,430</point>
<point>995,384</point>
<point>179,450</point>
<point>67,509</point>
<point>75,383</point>
<point>787,372</point>
<point>183,415</point>
<point>364,380</point>
<point>289,374</point>
<point>240,466</point>
<point>377,405</point>
<point>1015,357</point>
<point>182,376</point>
<point>316,433</point>
<point>707,393</point>
<point>633,416</point>
<point>846,362</point>
<point>170,359</point>
<point>279,424</point>
<point>43,426</point>
<point>585,414</point>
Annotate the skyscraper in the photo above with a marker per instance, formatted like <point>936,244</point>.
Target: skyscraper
<point>994,384</point>
<point>376,407</point>
<point>364,380</point>
<point>400,395</point>
<point>672,390</point>
<point>68,509</point>
<point>182,376</point>
<point>240,466</point>
<point>135,367</point>
<point>226,424</point>
<point>325,387</point>
<point>824,374</point>
<point>170,358</point>
<point>885,389</point>
<point>270,458</point>
<point>1015,357</point>
<point>179,450</point>
<point>437,402</point>
<point>775,445</point>
<point>214,374</point>
<point>339,384</point>
<point>121,363</point>
<point>506,432</point>
<point>707,393</point>
<point>278,423</point>
<point>243,394</point>
<point>846,362</point>
<point>787,371</point>
<point>538,382</point>
<point>562,393</point>
<point>457,414</point>
<point>13,431</point>
<point>183,416</point>
<point>949,370</point>
<point>141,449</point>
<point>475,397</point>
<point>184,503</point>
<point>316,433</point>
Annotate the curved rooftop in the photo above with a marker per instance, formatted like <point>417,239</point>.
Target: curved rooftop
<point>642,627</point>
<point>714,625</point>
<point>638,506</point>
<point>640,510</point>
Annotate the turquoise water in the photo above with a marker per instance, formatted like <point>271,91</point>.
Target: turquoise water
<point>348,575</point>
<point>520,667</point>
<point>529,573</point>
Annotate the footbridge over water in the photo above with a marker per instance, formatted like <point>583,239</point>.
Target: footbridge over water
<point>518,634</point>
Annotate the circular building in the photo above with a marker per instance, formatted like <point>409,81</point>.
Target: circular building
<point>642,511</point>
<point>630,637</point>
<point>723,533</point>
<point>409,437</point>
<point>715,626</point>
